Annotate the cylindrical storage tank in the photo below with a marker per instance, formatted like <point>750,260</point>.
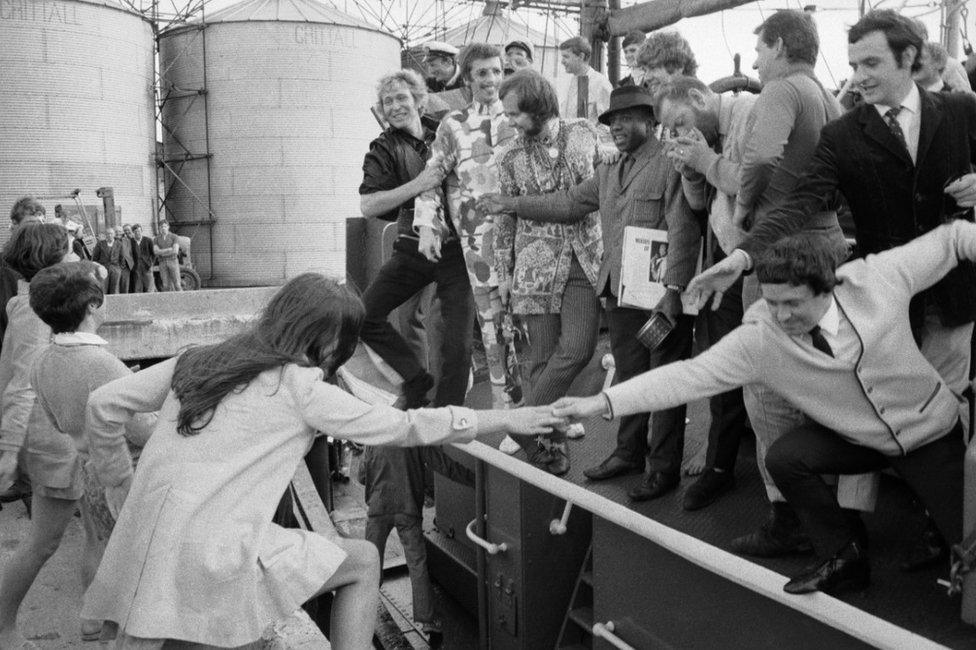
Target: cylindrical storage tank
<point>77,107</point>
<point>285,120</point>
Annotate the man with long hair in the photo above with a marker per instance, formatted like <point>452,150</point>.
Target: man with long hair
<point>548,271</point>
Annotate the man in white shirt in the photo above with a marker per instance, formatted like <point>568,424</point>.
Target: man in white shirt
<point>588,92</point>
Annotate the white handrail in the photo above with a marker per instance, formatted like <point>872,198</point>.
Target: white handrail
<point>605,631</point>
<point>819,606</point>
<point>491,549</point>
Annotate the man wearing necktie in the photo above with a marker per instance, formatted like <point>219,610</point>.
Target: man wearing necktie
<point>837,345</point>
<point>903,161</point>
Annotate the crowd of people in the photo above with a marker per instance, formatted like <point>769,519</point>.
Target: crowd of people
<point>844,352</point>
<point>515,209</point>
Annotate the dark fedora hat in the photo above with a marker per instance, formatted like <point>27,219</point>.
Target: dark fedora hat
<point>627,97</point>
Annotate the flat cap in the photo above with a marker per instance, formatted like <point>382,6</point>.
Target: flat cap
<point>438,47</point>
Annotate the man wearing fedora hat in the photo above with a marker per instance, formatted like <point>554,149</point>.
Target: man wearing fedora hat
<point>641,189</point>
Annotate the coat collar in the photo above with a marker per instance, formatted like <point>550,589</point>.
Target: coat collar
<point>929,120</point>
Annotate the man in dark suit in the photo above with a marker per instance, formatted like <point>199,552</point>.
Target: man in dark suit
<point>903,161</point>
<point>145,258</point>
<point>641,189</point>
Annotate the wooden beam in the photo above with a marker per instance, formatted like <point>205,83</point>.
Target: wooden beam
<point>656,14</point>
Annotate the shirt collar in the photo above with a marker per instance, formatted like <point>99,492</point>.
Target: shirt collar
<point>78,338</point>
<point>493,109</point>
<point>830,321</point>
<point>912,103</point>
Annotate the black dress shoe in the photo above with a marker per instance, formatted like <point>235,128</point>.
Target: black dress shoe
<point>559,453</point>
<point>781,534</point>
<point>930,550</point>
<point>848,570</point>
<point>540,458</point>
<point>707,489</point>
<point>613,466</point>
<point>653,485</point>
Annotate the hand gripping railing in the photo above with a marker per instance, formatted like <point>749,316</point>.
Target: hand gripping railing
<point>605,631</point>
<point>491,549</point>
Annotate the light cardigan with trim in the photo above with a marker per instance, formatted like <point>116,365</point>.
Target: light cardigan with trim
<point>891,400</point>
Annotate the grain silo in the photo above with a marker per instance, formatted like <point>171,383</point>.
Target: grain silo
<point>270,119</point>
<point>76,104</point>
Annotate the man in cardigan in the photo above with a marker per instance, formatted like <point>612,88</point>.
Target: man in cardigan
<point>840,348</point>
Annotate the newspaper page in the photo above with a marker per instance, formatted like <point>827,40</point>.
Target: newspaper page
<point>643,265</point>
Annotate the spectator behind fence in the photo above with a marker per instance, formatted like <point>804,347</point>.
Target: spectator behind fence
<point>588,91</point>
<point>840,347</point>
<point>631,44</point>
<point>239,417</point>
<point>68,299</point>
<point>145,260</point>
<point>166,248</point>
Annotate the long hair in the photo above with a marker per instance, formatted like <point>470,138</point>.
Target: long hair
<point>312,321</point>
<point>536,95</point>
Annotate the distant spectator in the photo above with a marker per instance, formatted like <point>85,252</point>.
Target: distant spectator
<point>145,258</point>
<point>167,250</point>
<point>588,92</point>
<point>119,264</point>
<point>442,67</point>
<point>518,55</point>
<point>77,244</point>
<point>631,45</point>
<point>133,250</point>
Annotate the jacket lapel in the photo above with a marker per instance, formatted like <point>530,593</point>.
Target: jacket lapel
<point>875,128</point>
<point>931,118</point>
<point>641,160</point>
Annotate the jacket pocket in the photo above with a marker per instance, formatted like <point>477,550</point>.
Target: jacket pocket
<point>648,210</point>
<point>935,392</point>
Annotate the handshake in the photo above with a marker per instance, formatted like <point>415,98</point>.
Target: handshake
<point>536,420</point>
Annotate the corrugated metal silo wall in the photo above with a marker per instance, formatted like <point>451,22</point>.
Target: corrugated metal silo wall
<point>76,102</point>
<point>288,115</point>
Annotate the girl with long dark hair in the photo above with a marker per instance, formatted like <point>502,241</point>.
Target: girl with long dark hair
<point>194,555</point>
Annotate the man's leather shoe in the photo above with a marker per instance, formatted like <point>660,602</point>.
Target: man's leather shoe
<point>781,534</point>
<point>930,550</point>
<point>653,485</point>
<point>613,466</point>
<point>559,453</point>
<point>540,458</point>
<point>848,570</point>
<point>707,489</point>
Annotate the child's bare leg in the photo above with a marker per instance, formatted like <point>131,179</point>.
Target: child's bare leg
<point>49,521</point>
<point>91,558</point>
<point>356,596</point>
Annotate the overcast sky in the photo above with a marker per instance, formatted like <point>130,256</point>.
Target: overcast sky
<point>714,38</point>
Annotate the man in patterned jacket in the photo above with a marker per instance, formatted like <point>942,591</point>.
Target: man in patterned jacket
<point>548,271</point>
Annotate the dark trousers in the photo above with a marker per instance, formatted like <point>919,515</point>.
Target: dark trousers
<point>665,447</point>
<point>796,461</point>
<point>727,410</point>
<point>403,275</point>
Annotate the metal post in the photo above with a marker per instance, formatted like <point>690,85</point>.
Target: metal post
<point>592,12</point>
<point>613,51</point>
<point>480,502</point>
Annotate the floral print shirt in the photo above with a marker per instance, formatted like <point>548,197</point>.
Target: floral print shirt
<point>536,256</point>
<point>464,152</point>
